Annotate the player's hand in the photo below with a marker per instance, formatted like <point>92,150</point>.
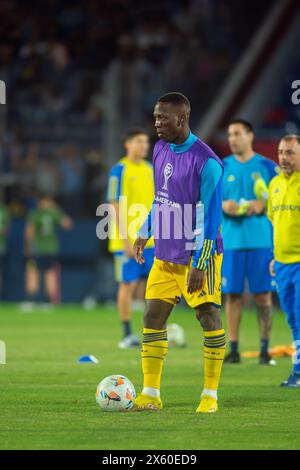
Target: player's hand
<point>271,268</point>
<point>138,249</point>
<point>256,207</point>
<point>195,280</point>
<point>230,207</point>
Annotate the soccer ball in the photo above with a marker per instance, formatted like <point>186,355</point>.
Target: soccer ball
<point>115,393</point>
<point>176,336</point>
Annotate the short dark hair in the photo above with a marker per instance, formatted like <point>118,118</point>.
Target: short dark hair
<point>247,124</point>
<point>133,132</point>
<point>176,98</point>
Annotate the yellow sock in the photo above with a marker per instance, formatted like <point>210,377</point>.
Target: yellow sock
<point>154,350</point>
<point>214,351</point>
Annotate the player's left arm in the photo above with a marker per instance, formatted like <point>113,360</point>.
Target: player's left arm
<point>211,189</point>
<point>64,221</point>
<point>259,205</point>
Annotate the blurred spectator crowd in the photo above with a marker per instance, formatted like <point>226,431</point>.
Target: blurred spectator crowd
<point>73,175</point>
<point>53,57</point>
<point>283,113</point>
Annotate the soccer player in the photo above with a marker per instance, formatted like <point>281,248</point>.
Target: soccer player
<point>185,219</point>
<point>41,248</point>
<point>130,183</point>
<point>284,213</point>
<point>4,227</point>
<point>247,236</point>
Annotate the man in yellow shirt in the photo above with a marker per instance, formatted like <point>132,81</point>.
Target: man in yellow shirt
<point>284,213</point>
<point>130,189</point>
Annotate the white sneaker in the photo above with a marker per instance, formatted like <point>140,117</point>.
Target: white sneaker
<point>27,307</point>
<point>129,341</point>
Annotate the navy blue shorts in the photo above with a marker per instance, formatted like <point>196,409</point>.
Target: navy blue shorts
<point>128,270</point>
<point>45,262</point>
<point>287,278</point>
<point>251,265</point>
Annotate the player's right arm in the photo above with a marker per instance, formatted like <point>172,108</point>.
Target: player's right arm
<point>260,204</point>
<point>270,204</point>
<point>270,217</point>
<point>143,235</point>
<point>113,196</point>
<point>138,249</point>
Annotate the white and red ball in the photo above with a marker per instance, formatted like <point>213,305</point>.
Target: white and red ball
<point>115,393</point>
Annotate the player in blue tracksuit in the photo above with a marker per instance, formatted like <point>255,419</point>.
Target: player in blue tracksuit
<point>247,235</point>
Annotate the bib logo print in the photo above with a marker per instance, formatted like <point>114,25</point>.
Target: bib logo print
<point>168,171</point>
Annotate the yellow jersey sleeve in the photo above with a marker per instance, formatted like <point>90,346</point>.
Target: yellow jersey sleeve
<point>115,180</point>
<point>132,185</point>
<point>284,213</point>
<point>269,206</point>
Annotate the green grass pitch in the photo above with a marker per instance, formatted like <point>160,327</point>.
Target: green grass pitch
<point>47,400</point>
